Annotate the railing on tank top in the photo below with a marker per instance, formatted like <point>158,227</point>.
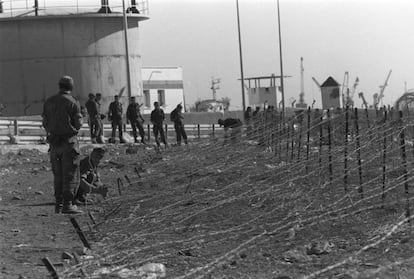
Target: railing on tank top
<point>19,8</point>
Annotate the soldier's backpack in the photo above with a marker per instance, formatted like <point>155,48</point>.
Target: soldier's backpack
<point>173,115</point>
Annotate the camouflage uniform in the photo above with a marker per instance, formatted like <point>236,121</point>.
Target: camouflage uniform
<point>135,118</point>
<point>115,116</point>
<point>177,118</point>
<point>157,119</point>
<point>94,119</point>
<point>62,120</point>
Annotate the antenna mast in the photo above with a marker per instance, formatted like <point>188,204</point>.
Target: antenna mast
<point>215,85</point>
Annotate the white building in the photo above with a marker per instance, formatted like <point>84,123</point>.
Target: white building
<point>164,85</point>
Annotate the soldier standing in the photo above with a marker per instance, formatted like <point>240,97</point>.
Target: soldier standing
<point>94,125</point>
<point>62,120</point>
<point>135,118</point>
<point>177,117</point>
<point>157,119</point>
<point>115,116</point>
<point>101,117</point>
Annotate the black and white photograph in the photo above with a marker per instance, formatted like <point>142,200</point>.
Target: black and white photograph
<point>216,139</point>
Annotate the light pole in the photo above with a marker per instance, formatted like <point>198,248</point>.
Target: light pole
<point>127,50</point>
<point>241,58</point>
<point>281,63</point>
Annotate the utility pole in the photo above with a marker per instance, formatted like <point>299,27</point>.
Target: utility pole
<point>281,62</point>
<point>241,58</point>
<point>127,50</point>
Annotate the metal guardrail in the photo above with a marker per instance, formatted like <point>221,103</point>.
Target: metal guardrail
<point>18,8</point>
<point>33,132</point>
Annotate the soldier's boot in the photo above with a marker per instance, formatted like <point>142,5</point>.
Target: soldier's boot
<point>99,140</point>
<point>58,205</point>
<point>69,208</point>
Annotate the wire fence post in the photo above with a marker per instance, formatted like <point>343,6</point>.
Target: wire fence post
<point>384,157</point>
<point>346,149</point>
<point>358,150</point>
<point>404,165</point>
<point>330,147</point>
<point>300,134</point>
<point>320,140</point>
<point>308,139</point>
<point>287,141</point>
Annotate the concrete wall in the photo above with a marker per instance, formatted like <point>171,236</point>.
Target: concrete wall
<point>36,51</point>
<point>259,95</point>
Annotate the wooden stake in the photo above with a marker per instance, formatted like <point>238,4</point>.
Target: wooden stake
<point>292,140</point>
<point>300,134</point>
<point>120,185</point>
<point>384,157</point>
<point>346,149</point>
<point>50,267</point>
<point>320,140</point>
<point>330,147</point>
<point>308,140</point>
<point>80,233</point>
<point>128,180</point>
<point>287,141</point>
<point>358,149</point>
<point>92,217</point>
<point>404,165</point>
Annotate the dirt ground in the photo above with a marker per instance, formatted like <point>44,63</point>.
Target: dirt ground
<point>207,211</point>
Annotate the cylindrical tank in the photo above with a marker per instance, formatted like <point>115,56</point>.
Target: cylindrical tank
<point>36,51</point>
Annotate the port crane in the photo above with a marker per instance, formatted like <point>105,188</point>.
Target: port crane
<point>361,96</point>
<point>301,103</point>
<point>378,96</point>
<point>215,85</point>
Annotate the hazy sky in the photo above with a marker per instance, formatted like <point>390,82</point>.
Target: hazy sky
<point>365,38</point>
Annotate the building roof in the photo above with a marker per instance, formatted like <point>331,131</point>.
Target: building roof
<point>264,77</point>
<point>330,82</point>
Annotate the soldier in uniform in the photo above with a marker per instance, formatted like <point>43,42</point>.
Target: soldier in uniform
<point>157,120</point>
<point>135,118</point>
<point>101,117</point>
<point>62,120</point>
<point>115,116</point>
<point>176,116</point>
<point>90,182</point>
<point>235,125</point>
<point>94,117</point>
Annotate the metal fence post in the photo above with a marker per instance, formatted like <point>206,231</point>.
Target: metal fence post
<point>16,128</point>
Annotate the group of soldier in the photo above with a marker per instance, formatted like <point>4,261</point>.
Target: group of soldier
<point>134,117</point>
<point>74,178</point>
<point>62,119</point>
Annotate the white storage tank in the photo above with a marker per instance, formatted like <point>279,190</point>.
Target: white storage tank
<point>89,46</point>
